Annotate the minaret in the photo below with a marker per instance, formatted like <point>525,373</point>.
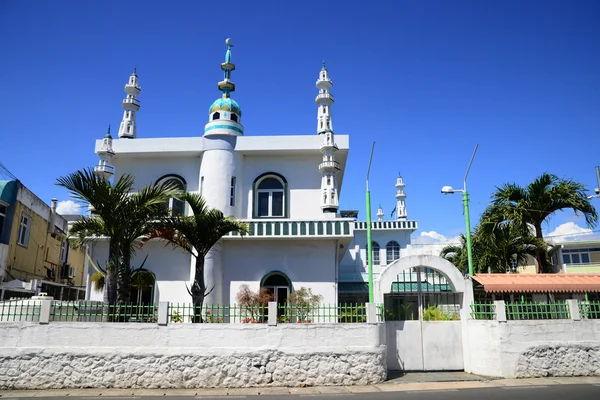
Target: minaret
<point>104,168</point>
<point>131,105</point>
<point>400,199</point>
<point>225,114</point>
<point>221,170</point>
<point>380,214</point>
<point>328,167</point>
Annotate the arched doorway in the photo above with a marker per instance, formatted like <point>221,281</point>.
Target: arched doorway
<point>425,300</point>
<point>280,286</point>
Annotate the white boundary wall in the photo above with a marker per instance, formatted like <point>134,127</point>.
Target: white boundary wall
<point>127,355</point>
<point>520,349</point>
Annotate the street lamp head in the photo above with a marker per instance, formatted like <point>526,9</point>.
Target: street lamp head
<point>447,190</point>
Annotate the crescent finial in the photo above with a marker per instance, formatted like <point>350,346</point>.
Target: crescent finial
<point>227,42</point>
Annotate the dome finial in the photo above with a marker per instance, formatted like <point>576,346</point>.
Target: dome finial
<point>226,85</point>
<point>108,133</point>
<point>324,68</point>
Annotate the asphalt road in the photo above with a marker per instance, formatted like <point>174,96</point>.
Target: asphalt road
<point>554,392</point>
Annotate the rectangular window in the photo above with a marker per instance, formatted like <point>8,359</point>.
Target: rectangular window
<point>24,230</point>
<point>263,204</point>
<point>63,251</point>
<point>576,257</point>
<point>232,194</point>
<point>2,217</point>
<point>277,206</point>
<point>201,184</point>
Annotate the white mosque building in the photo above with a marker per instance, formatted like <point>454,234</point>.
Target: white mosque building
<point>287,188</point>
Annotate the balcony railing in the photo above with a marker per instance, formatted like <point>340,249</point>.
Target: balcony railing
<point>387,225</point>
<point>297,229</point>
<point>104,168</point>
<point>325,96</point>
<point>135,102</point>
<point>329,164</point>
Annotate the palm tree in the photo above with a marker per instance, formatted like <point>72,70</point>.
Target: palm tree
<point>502,244</point>
<point>118,214</point>
<point>197,234</point>
<point>536,203</point>
<point>457,254</point>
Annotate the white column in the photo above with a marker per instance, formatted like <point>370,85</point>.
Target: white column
<point>213,275</point>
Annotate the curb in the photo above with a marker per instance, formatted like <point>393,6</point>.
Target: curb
<point>316,390</point>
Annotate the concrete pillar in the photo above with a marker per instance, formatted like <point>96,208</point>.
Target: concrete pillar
<point>272,321</point>
<point>163,313</point>
<point>500,308</point>
<point>573,306</point>
<point>371,313</point>
<point>45,311</point>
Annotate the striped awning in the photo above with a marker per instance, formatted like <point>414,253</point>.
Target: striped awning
<point>539,283</point>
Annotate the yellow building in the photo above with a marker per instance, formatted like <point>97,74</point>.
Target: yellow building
<point>34,251</point>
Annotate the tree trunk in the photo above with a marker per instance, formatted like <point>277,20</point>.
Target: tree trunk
<point>110,281</point>
<point>198,291</point>
<point>540,255</point>
<point>124,278</point>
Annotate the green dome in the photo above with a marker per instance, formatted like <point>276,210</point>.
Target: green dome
<point>225,104</point>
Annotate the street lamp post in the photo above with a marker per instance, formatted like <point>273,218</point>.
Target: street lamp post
<point>369,244</point>
<point>449,190</point>
<point>597,190</point>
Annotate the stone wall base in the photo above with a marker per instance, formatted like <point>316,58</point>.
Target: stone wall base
<point>52,369</point>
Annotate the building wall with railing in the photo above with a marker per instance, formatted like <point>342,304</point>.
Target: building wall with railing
<point>307,263</point>
<point>301,173</point>
<point>354,262</point>
<point>528,339</point>
<point>172,267</point>
<point>303,183</point>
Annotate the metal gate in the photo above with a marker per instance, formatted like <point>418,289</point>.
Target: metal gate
<point>422,313</point>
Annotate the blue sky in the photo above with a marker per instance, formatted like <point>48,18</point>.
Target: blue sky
<point>426,80</point>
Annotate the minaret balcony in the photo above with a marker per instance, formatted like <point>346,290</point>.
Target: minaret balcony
<point>324,98</point>
<point>329,166</point>
<point>104,170</point>
<point>130,103</point>
<point>133,88</point>
<point>324,84</point>
<point>329,146</point>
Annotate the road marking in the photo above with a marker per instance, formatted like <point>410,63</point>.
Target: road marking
<point>431,391</point>
<point>525,387</point>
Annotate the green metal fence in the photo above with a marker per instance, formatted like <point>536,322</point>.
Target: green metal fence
<point>213,313</point>
<point>483,311</point>
<point>100,312</point>
<point>20,310</point>
<point>322,313</point>
<point>531,310</point>
<point>589,309</point>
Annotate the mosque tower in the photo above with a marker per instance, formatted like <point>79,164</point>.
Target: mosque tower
<point>400,199</point>
<point>104,169</point>
<point>221,169</point>
<point>131,105</point>
<point>328,167</point>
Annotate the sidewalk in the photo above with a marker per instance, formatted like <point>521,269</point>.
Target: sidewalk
<point>411,382</point>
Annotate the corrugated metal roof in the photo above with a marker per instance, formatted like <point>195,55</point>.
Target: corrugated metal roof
<point>494,283</point>
<point>353,287</point>
<point>425,287</point>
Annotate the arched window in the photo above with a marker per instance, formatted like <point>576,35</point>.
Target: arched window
<point>234,117</point>
<point>175,206</point>
<point>216,116</point>
<point>375,248</point>
<point>392,252</point>
<point>270,196</point>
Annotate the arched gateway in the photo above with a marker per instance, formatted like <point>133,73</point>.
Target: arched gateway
<point>425,299</point>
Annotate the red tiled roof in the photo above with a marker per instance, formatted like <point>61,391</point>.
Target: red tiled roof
<point>539,282</point>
